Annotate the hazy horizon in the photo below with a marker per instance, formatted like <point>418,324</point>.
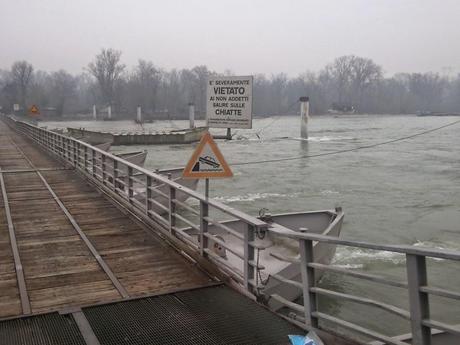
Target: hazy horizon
<point>246,37</point>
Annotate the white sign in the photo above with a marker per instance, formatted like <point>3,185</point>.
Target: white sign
<point>16,107</point>
<point>229,102</point>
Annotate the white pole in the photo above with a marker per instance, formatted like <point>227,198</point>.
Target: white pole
<point>139,114</point>
<point>304,115</point>
<point>191,114</point>
<point>94,113</point>
<point>109,112</point>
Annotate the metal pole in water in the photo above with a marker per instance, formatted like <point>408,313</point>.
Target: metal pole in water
<point>94,112</point>
<point>109,112</point>
<point>139,114</point>
<point>304,115</point>
<point>191,114</point>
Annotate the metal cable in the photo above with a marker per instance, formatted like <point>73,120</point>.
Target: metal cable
<point>348,150</point>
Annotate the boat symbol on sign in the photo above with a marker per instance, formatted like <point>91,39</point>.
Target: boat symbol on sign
<point>209,161</point>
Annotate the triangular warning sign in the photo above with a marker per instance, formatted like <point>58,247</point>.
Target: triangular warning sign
<point>207,161</point>
<point>34,109</point>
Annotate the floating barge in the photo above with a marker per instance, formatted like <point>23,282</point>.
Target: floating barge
<point>181,136</point>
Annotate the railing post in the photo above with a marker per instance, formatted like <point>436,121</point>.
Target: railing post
<point>148,194</point>
<point>130,185</point>
<point>78,154</point>
<point>249,237</point>
<point>86,158</point>
<point>308,282</point>
<point>74,154</point>
<point>418,301</point>
<point>93,162</point>
<point>172,209</point>
<point>103,168</point>
<point>115,175</point>
<point>61,145</point>
<point>204,212</point>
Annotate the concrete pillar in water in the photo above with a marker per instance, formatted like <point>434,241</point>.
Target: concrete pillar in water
<point>304,115</point>
<point>109,112</point>
<point>139,115</point>
<point>191,114</point>
<point>94,113</point>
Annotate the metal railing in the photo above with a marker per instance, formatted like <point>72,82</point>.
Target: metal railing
<point>416,285</point>
<point>161,201</point>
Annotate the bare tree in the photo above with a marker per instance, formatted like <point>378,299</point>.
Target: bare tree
<point>201,74</point>
<point>147,79</point>
<point>63,87</point>
<point>21,73</point>
<point>351,76</point>
<point>107,69</point>
<point>340,72</point>
<point>365,73</point>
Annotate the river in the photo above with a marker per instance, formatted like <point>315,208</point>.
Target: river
<point>407,192</point>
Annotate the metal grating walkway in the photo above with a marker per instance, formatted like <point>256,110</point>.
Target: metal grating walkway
<point>212,315</point>
<point>215,315</point>
<point>49,329</point>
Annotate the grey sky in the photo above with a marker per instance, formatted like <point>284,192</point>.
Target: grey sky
<point>247,36</point>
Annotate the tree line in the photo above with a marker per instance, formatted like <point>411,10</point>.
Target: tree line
<point>349,83</point>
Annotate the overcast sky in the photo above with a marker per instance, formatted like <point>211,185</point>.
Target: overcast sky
<point>247,36</point>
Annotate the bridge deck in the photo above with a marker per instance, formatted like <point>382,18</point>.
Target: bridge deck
<point>74,246</point>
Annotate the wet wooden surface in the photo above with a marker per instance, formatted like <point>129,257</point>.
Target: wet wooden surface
<point>59,269</point>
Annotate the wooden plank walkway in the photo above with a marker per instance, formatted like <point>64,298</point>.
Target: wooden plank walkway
<point>74,245</point>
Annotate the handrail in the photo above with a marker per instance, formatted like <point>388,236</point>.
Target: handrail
<point>93,162</point>
<point>417,286</point>
<point>139,193</point>
<point>402,249</point>
<point>216,204</point>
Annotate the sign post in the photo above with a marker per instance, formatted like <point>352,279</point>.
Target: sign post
<point>229,102</point>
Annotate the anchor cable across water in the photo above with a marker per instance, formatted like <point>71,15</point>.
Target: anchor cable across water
<point>350,149</point>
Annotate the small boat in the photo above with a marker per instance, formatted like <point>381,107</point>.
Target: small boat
<point>161,188</point>
<point>136,157</point>
<point>103,146</point>
<point>278,255</point>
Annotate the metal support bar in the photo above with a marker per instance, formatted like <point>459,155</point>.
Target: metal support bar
<point>93,162</point>
<point>308,282</point>
<point>130,184</point>
<point>80,232</point>
<point>25,303</point>
<point>103,165</point>
<point>248,274</point>
<point>115,174</point>
<point>172,209</point>
<point>418,301</point>
<point>86,240</point>
<point>85,328</point>
<point>86,158</point>
<point>204,212</point>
